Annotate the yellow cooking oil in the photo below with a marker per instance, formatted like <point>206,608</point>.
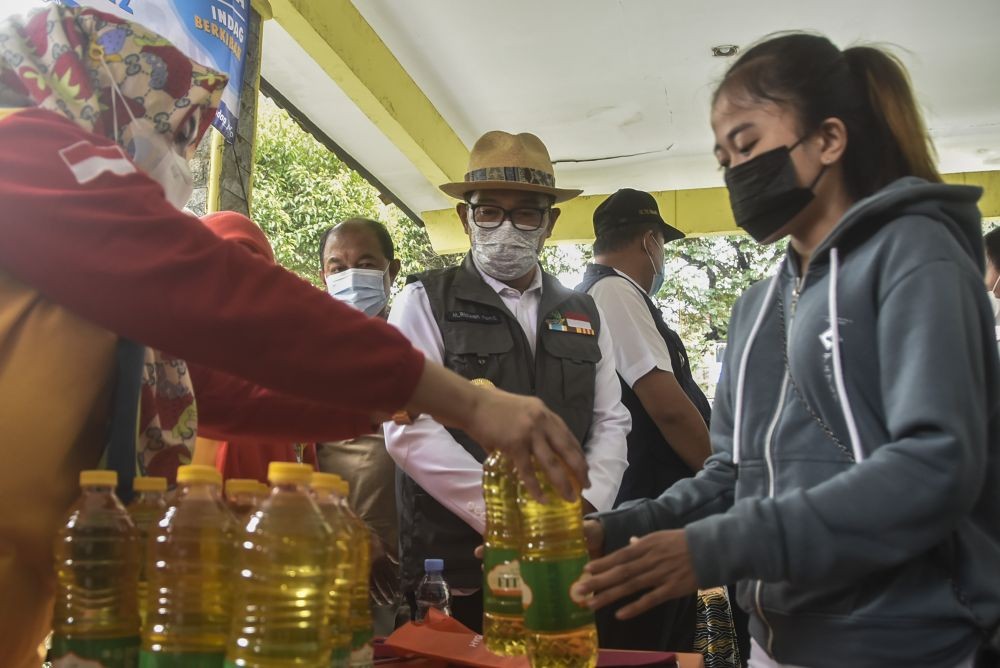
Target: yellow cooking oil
<point>243,495</point>
<point>559,632</point>
<point>96,615</point>
<point>361,613</point>
<point>280,610</point>
<point>146,509</point>
<point>503,618</point>
<point>192,558</point>
<point>325,488</point>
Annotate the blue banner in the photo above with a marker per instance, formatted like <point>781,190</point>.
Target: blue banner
<point>211,32</point>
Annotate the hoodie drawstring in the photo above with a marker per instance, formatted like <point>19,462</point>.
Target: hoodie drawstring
<point>838,370</point>
<point>742,373</point>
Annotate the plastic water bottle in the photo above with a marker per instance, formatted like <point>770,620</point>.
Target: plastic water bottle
<point>560,631</point>
<point>280,609</point>
<point>146,510</point>
<point>433,592</point>
<point>503,619</point>
<point>325,490</point>
<point>192,558</point>
<point>96,616</point>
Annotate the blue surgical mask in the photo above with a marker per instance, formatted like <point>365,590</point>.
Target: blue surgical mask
<point>658,272</point>
<point>364,289</point>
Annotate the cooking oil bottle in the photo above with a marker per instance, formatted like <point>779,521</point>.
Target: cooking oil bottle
<point>325,488</point>
<point>280,608</point>
<point>559,631</point>
<point>146,510</point>
<point>503,619</point>
<point>192,558</point>
<point>362,653</point>
<point>243,496</point>
<point>96,617</point>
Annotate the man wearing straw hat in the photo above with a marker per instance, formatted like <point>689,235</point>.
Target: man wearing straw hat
<point>499,316</point>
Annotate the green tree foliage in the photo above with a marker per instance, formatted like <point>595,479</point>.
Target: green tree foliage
<point>300,189</point>
<point>704,277</point>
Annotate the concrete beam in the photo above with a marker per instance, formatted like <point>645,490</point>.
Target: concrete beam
<point>696,212</point>
<point>346,47</point>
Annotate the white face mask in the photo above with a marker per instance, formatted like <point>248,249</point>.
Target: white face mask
<point>364,289</point>
<point>505,253</point>
<point>153,153</point>
<point>994,300</point>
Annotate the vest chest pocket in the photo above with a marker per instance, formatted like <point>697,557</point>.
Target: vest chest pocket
<point>473,350</point>
<point>576,357</point>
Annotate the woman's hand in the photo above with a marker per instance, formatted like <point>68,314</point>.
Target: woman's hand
<point>659,562</point>
<point>521,427</point>
<point>532,436</point>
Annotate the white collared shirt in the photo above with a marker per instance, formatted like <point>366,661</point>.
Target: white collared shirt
<point>441,466</point>
<point>638,345</point>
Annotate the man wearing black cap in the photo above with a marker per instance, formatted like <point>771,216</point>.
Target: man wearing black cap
<point>669,438</point>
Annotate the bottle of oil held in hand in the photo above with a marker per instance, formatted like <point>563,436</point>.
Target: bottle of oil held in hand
<point>559,632</point>
<point>503,621</point>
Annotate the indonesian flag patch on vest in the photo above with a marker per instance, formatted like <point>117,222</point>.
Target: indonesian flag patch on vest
<point>570,321</point>
<point>87,161</point>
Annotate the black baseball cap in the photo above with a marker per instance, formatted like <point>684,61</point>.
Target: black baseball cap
<point>627,207</point>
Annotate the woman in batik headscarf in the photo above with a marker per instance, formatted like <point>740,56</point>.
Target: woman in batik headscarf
<point>97,119</point>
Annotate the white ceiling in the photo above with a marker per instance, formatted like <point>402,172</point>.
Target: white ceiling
<point>600,78</point>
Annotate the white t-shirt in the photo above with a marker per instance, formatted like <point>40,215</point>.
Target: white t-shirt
<point>639,347</point>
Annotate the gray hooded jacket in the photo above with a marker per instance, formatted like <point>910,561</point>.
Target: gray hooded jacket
<point>854,486</point>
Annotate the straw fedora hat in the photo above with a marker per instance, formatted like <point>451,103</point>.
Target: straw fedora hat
<point>502,161</point>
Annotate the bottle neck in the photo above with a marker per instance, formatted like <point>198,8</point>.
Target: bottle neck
<point>199,490</point>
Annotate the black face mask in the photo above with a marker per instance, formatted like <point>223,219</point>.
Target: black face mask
<point>764,192</point>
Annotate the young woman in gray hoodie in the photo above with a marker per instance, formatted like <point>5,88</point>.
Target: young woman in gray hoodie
<point>854,489</point>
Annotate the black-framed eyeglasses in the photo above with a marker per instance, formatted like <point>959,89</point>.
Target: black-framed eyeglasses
<point>524,218</point>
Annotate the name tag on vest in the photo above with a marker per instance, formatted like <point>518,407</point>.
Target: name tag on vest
<point>472,316</point>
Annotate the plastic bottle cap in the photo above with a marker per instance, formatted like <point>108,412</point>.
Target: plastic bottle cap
<point>149,484</point>
<point>241,486</point>
<point>433,565</point>
<point>98,478</point>
<point>328,482</point>
<point>262,489</point>
<point>198,473</point>
<point>289,472</point>
<point>483,382</point>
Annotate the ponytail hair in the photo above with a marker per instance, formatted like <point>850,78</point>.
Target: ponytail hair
<point>865,87</point>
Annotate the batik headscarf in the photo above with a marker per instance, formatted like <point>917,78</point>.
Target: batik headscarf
<point>65,60</point>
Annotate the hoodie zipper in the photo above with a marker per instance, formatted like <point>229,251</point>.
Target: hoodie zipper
<point>769,460</point>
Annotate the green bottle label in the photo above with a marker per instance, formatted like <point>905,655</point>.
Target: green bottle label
<point>502,581</point>
<point>545,595</point>
<point>340,658</point>
<point>361,639</point>
<point>181,659</point>
<point>94,652</point>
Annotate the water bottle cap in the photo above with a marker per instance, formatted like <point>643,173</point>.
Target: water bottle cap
<point>289,472</point>
<point>98,478</point>
<point>198,473</point>
<point>433,565</point>
<point>149,484</point>
<point>241,486</point>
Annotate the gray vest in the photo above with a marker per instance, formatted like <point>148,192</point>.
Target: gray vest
<point>482,339</point>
